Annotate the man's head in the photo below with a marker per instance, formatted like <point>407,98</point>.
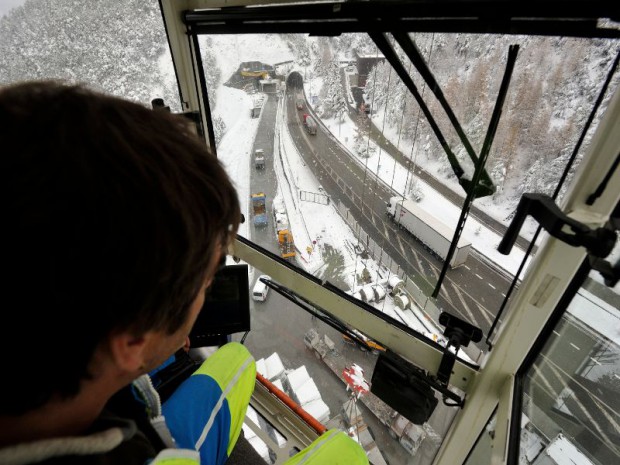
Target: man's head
<point>115,219</point>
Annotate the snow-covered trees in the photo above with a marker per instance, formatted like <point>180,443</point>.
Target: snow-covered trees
<point>335,99</point>
<point>219,128</point>
<point>120,48</point>
<point>213,75</point>
<point>543,175</point>
<point>552,89</point>
<point>100,43</point>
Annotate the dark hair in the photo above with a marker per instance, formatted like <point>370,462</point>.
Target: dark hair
<point>112,213</point>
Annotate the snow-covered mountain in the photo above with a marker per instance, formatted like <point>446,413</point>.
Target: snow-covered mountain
<point>120,47</point>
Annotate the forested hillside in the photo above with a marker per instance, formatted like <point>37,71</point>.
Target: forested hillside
<point>551,95</point>
<point>113,45</point>
<point>547,106</point>
<point>120,47</point>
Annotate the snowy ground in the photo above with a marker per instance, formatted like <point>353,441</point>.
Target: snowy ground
<point>331,232</point>
<point>236,147</point>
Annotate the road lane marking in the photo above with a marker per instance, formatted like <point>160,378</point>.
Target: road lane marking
<point>556,333</point>
<point>479,277</point>
<point>574,346</point>
<point>400,244</point>
<point>539,375</point>
<point>443,292</point>
<point>595,361</point>
<point>466,307</point>
<point>385,229</point>
<point>562,376</point>
<point>491,285</point>
<point>419,262</point>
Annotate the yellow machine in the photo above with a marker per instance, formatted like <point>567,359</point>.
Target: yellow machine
<point>260,74</point>
<point>370,344</point>
<point>286,244</point>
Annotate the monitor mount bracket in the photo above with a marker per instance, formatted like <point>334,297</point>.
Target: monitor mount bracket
<point>459,333</point>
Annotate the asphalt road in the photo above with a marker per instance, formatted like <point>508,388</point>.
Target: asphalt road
<point>454,197</point>
<point>279,325</point>
<point>473,292</point>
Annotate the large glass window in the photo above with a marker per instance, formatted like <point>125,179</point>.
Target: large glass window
<point>571,408</point>
<point>309,360</point>
<point>324,142</point>
<point>341,173</point>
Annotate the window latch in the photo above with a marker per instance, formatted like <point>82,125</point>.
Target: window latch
<point>598,242</point>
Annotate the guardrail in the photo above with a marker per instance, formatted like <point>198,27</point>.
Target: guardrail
<point>426,305</point>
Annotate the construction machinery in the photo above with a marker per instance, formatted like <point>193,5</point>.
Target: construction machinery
<point>255,69</point>
<point>369,344</point>
<point>321,346</point>
<point>284,235</point>
<point>255,73</point>
<point>407,433</point>
<point>286,244</point>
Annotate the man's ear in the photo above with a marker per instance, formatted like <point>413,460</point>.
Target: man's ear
<point>128,351</point>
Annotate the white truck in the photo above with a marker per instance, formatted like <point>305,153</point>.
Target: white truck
<point>408,434</point>
<point>427,229</point>
<point>321,346</point>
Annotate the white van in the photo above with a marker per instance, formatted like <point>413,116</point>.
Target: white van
<point>260,289</point>
<point>259,159</point>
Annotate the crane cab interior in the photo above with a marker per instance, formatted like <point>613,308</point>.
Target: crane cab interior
<point>446,175</point>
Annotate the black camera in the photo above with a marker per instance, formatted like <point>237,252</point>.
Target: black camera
<point>226,309</point>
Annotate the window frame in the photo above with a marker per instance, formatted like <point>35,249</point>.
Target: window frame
<point>557,265</point>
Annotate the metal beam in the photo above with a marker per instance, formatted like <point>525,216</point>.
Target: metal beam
<point>550,273</point>
<point>415,350</point>
<point>184,57</point>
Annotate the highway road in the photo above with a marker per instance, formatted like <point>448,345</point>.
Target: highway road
<point>279,325</point>
<point>455,198</point>
<point>474,292</point>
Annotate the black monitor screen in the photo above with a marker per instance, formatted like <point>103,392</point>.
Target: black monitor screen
<point>227,306</point>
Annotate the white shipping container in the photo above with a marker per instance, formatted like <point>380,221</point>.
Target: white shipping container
<point>427,229</point>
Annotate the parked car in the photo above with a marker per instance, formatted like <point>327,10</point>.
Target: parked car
<point>259,159</point>
<point>260,290</point>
